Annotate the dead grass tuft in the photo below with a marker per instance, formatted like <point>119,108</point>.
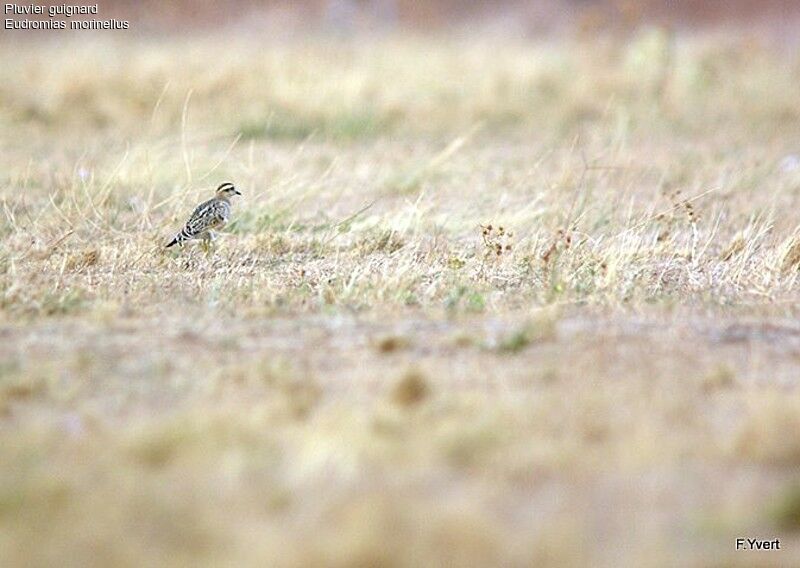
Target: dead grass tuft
<point>392,343</point>
<point>720,378</point>
<point>411,389</point>
<point>542,327</point>
<point>762,429</point>
<point>736,246</point>
<point>790,256</point>
<point>22,387</point>
<point>83,260</point>
<point>785,510</point>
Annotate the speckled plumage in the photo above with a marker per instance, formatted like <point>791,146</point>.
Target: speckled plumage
<point>207,217</point>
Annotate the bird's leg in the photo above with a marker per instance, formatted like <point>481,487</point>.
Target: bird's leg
<point>205,242</point>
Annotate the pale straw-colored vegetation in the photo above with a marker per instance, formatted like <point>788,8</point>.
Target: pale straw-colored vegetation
<point>482,303</point>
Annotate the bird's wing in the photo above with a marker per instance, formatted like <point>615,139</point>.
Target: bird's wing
<point>206,216</point>
<point>222,211</point>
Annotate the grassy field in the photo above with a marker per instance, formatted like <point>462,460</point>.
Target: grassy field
<point>480,304</point>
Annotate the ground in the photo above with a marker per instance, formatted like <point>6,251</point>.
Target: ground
<point>480,304</point>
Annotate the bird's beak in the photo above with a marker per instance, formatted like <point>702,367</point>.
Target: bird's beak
<point>237,192</point>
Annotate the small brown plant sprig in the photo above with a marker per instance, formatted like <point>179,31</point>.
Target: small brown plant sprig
<point>497,241</point>
<point>678,203</point>
<point>669,218</point>
<point>561,240</point>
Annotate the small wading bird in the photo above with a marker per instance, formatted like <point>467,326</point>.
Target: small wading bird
<point>207,218</point>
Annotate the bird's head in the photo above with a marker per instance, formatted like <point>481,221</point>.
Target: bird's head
<point>227,190</point>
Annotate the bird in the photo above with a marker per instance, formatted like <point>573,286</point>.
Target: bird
<point>207,217</point>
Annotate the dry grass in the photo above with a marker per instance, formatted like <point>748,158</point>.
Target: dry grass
<point>365,373</point>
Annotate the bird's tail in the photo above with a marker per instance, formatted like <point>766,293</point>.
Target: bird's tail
<point>177,240</point>
<point>183,235</point>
